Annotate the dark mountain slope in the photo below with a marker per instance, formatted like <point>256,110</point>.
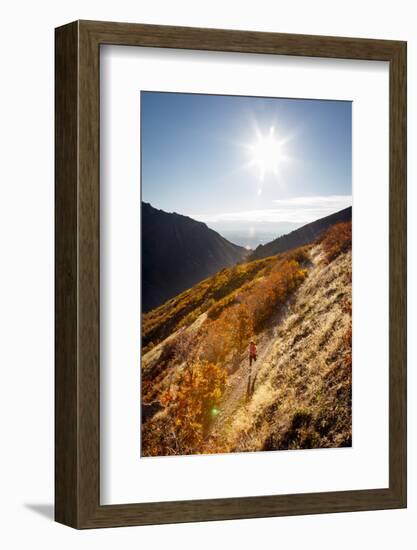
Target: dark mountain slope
<point>300,237</point>
<point>177,253</point>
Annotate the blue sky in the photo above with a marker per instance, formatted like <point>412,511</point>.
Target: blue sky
<point>236,162</point>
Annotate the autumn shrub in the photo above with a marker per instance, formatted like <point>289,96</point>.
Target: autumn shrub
<point>190,405</point>
<point>300,255</point>
<point>337,240</point>
<point>218,307</point>
<point>151,378</point>
<point>179,350</point>
<point>274,290</point>
<point>226,337</point>
<point>216,342</point>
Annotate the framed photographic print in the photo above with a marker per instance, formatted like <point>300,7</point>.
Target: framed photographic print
<point>230,274</point>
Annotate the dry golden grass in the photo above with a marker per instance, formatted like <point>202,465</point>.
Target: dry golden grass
<point>303,396</point>
<point>299,308</point>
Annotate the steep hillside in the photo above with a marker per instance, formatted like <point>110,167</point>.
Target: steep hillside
<point>213,293</point>
<point>199,394</point>
<point>302,395</point>
<point>302,236</point>
<point>177,253</point>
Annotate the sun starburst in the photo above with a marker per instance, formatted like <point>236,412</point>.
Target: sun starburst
<point>267,153</point>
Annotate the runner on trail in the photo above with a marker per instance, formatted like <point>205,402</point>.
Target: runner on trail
<point>253,352</point>
<point>253,355</point>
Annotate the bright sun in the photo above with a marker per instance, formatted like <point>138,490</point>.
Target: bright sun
<point>267,153</point>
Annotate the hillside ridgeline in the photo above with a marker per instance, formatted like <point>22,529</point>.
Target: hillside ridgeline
<point>177,253</point>
<point>301,236</point>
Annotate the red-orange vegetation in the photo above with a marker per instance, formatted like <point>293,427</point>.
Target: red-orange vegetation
<point>336,240</point>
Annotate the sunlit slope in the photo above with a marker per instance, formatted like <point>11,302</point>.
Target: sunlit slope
<point>297,306</point>
<point>211,293</point>
<point>302,397</point>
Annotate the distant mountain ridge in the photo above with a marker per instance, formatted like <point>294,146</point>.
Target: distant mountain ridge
<point>301,236</point>
<point>177,253</point>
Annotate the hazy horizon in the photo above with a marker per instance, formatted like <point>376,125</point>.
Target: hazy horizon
<point>245,235</point>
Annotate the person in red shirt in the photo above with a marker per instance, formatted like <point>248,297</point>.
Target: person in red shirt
<point>253,352</point>
<point>253,355</point>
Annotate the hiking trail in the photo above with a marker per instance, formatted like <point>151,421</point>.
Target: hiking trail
<point>236,394</point>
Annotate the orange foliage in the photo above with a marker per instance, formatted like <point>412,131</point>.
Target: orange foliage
<point>272,292</point>
<point>336,240</point>
<point>186,307</point>
<point>229,334</point>
<point>191,402</point>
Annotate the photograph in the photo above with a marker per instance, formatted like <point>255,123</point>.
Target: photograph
<point>198,350</point>
<point>246,274</point>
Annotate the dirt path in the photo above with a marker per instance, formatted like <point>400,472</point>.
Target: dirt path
<point>236,394</point>
<point>237,389</point>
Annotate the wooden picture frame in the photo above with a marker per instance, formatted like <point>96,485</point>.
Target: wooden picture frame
<point>77,373</point>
